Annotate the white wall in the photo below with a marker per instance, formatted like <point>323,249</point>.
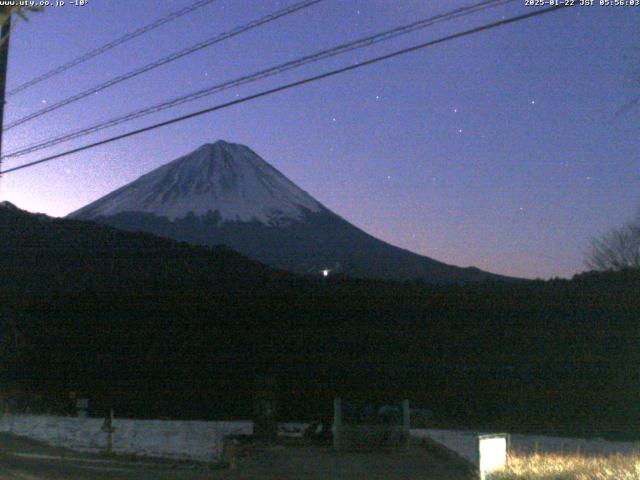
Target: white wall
<point>465,443</point>
<point>186,440</point>
<point>202,441</point>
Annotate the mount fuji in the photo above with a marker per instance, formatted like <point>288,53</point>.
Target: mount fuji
<point>224,193</point>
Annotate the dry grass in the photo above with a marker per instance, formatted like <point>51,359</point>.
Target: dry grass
<point>570,467</point>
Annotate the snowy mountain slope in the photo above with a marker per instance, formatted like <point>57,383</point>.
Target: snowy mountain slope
<point>227,178</point>
<point>224,193</point>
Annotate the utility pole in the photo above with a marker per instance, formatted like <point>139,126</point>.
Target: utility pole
<point>4,59</point>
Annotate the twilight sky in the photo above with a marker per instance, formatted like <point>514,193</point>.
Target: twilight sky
<point>505,150</point>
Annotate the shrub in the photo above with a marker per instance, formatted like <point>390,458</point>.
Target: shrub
<point>569,467</point>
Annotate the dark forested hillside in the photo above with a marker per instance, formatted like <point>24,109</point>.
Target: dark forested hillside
<point>165,329</point>
<point>42,255</point>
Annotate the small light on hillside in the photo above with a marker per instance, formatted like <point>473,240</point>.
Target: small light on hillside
<point>325,272</point>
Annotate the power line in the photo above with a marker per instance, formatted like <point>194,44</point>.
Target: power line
<point>108,46</point>
<point>163,61</point>
<point>262,74</point>
<point>288,86</point>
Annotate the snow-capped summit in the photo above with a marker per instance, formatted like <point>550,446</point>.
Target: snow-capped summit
<point>221,177</point>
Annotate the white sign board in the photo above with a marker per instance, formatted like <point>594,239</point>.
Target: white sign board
<point>492,452</point>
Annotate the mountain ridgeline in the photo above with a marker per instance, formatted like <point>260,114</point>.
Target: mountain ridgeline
<point>224,193</point>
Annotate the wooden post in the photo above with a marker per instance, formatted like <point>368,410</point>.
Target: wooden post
<point>337,422</point>
<point>108,428</point>
<point>265,421</point>
<point>406,423</point>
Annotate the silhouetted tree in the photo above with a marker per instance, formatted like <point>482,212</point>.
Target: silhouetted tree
<point>616,250</point>
<point>7,11</point>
